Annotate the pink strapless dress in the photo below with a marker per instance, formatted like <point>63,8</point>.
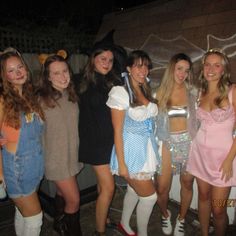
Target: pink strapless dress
<point>211,146</point>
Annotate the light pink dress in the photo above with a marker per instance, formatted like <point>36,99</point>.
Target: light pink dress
<point>212,144</point>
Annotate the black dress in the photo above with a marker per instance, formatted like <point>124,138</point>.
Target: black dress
<point>95,126</point>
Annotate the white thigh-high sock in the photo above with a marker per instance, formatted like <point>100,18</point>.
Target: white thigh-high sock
<point>19,222</point>
<point>144,210</point>
<point>130,201</point>
<point>33,225</point>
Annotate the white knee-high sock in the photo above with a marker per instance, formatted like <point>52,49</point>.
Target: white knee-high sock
<point>19,222</point>
<point>144,210</point>
<point>33,225</point>
<point>130,201</point>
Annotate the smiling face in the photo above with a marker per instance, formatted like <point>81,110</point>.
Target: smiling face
<point>213,68</point>
<point>59,75</point>
<point>15,71</point>
<point>181,71</point>
<point>103,62</point>
<point>138,72</point>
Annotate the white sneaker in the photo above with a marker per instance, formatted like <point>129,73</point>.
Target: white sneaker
<point>179,227</point>
<point>166,224</point>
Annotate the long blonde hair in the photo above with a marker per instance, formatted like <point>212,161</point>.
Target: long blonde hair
<point>224,82</point>
<point>164,91</point>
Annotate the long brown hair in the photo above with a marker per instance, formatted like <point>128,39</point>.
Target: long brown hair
<point>133,58</point>
<point>89,70</point>
<point>14,103</point>
<point>47,92</point>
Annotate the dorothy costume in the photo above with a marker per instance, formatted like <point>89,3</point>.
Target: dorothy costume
<point>140,147</point>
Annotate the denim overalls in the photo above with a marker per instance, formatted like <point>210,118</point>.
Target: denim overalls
<point>24,169</point>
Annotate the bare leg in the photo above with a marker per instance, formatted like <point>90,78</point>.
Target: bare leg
<point>29,205</point>
<point>28,219</point>
<point>69,190</point>
<point>143,188</point>
<point>219,209</point>
<point>164,182</point>
<point>106,189</point>
<point>204,205</point>
<point>69,222</point>
<point>186,194</point>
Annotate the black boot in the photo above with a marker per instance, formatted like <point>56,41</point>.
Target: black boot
<point>59,205</point>
<point>73,224</point>
<point>59,224</point>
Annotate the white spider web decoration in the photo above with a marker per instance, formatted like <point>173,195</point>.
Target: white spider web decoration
<point>227,45</point>
<point>161,50</point>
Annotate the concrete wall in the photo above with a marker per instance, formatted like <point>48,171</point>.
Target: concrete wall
<point>192,20</point>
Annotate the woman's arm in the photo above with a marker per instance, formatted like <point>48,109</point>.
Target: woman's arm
<point>118,123</point>
<point>227,165</point>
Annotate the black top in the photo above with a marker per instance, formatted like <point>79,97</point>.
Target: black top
<point>95,126</point>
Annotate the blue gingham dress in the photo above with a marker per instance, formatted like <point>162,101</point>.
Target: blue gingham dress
<point>140,147</point>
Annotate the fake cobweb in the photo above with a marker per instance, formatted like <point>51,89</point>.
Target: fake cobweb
<point>161,50</point>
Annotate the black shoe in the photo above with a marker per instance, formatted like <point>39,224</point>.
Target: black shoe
<point>59,205</point>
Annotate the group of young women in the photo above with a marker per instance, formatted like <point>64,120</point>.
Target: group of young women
<point>163,133</point>
<point>124,129</point>
<point>179,130</point>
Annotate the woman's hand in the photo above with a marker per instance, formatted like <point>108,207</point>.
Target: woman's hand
<point>227,169</point>
<point>123,171</point>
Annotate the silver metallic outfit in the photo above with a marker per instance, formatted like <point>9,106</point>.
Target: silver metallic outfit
<point>178,142</point>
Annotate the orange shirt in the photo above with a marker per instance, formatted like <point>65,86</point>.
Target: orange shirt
<point>10,134</point>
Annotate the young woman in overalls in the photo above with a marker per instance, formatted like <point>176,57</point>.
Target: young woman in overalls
<point>21,165</point>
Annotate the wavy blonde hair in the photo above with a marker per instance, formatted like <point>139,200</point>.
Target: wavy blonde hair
<point>165,89</point>
<point>224,82</point>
